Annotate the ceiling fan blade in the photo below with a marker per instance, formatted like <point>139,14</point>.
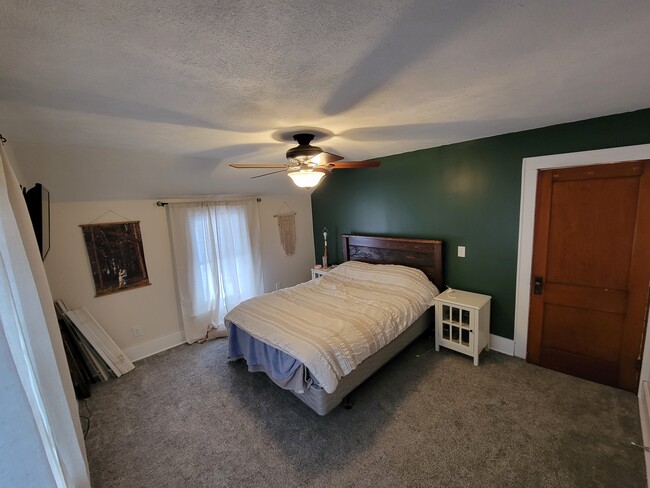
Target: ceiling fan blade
<point>266,174</point>
<point>354,164</point>
<point>257,166</point>
<point>325,158</point>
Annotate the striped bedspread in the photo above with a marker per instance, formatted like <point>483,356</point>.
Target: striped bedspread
<point>335,322</point>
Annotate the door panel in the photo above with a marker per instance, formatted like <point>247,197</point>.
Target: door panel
<point>602,299</point>
<point>590,333</point>
<point>591,231</point>
<point>596,370</point>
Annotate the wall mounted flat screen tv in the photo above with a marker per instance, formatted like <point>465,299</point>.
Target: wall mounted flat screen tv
<point>38,204</point>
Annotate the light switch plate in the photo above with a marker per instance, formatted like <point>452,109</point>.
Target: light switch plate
<point>461,251</point>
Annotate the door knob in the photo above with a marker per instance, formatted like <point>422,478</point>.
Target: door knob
<point>538,285</point>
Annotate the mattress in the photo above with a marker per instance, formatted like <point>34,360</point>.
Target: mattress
<point>290,374</point>
<point>332,324</point>
<point>322,402</point>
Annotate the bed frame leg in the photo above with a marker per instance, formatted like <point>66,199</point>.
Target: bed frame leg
<point>347,402</point>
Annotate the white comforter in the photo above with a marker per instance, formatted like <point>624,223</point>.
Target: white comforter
<point>332,324</point>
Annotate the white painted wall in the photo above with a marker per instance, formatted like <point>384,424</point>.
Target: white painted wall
<point>154,309</point>
<point>278,268</point>
<point>24,462</point>
<point>151,308</point>
<point>40,416</point>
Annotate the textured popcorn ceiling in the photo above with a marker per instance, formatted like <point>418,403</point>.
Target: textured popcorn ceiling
<point>108,99</point>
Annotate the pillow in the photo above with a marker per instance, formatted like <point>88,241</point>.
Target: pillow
<point>383,273</point>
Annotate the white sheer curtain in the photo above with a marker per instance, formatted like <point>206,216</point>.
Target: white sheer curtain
<point>218,258</point>
<point>32,361</point>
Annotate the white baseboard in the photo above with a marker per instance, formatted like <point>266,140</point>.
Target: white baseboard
<point>644,413</point>
<point>141,351</point>
<point>155,346</point>
<point>502,345</point>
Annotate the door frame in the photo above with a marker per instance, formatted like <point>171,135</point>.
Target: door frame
<point>530,168</point>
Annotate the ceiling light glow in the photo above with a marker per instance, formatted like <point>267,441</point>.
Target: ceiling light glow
<point>307,178</point>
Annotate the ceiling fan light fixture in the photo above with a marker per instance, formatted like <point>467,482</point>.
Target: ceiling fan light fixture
<point>307,178</point>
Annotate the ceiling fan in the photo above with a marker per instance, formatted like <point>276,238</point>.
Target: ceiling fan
<point>307,165</point>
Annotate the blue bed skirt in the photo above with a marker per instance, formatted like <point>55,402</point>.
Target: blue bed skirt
<point>285,370</point>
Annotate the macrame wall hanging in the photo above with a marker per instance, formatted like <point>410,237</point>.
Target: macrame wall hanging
<point>287,230</point>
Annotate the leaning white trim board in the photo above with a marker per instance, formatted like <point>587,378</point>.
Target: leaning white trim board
<point>100,340</point>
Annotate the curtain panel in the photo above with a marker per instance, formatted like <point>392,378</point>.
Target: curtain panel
<point>218,261</point>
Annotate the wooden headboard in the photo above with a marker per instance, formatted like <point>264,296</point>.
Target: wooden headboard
<point>423,254</point>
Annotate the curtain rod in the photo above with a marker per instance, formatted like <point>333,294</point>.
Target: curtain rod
<point>164,204</point>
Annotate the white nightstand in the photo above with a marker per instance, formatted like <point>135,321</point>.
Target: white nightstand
<point>317,273</point>
<point>463,322</point>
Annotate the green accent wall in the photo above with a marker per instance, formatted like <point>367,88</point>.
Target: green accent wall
<point>466,194</point>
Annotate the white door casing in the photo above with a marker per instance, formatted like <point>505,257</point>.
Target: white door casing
<point>530,169</point>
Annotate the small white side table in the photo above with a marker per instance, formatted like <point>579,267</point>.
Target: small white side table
<point>463,322</point>
<point>318,272</point>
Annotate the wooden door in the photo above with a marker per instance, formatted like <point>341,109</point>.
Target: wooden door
<point>591,271</point>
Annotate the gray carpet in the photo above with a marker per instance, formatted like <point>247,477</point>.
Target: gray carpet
<point>185,417</point>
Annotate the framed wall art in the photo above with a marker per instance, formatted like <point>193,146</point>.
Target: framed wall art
<point>116,256</point>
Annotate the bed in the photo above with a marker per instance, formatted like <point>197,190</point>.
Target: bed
<point>322,339</point>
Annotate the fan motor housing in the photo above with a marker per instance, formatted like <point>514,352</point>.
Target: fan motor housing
<point>304,150</point>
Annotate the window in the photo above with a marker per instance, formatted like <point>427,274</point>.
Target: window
<point>218,260</point>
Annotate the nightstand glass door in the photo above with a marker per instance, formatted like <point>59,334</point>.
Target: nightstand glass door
<point>456,326</point>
